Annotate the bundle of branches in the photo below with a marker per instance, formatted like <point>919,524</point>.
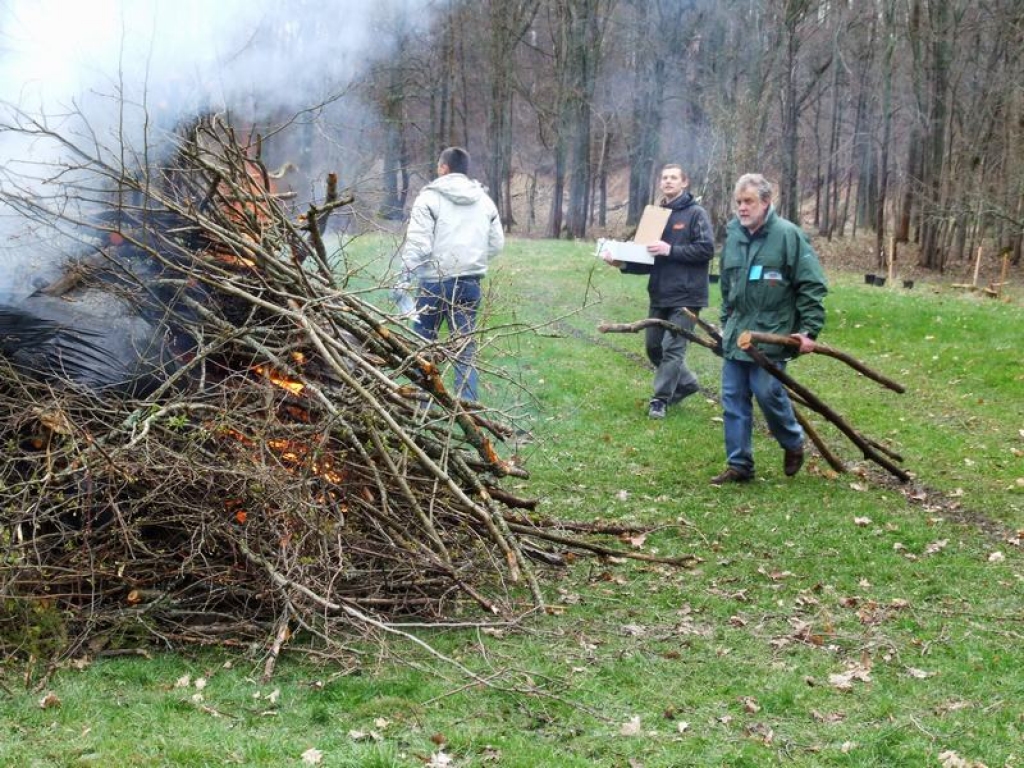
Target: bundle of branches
<point>210,440</point>
<point>802,395</point>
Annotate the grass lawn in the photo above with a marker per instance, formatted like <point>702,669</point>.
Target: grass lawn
<point>832,619</point>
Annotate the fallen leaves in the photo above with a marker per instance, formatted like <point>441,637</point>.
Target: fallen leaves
<point>631,727</point>
<point>950,759</point>
<point>952,706</point>
<point>750,705</point>
<point>918,674</point>
<point>359,735</point>
<point>312,756</point>
<point>761,732</point>
<point>936,546</point>
<point>774,575</point>
<point>828,717</point>
<point>636,540</point>
<point>856,672</point>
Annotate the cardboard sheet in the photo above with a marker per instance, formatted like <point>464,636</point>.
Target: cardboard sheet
<point>652,224</point>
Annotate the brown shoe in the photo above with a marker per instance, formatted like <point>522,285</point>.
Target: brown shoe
<point>792,461</point>
<point>732,475</point>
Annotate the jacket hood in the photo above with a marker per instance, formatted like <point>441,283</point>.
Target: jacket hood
<point>458,188</point>
<point>685,200</point>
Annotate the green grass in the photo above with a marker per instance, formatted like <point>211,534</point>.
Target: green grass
<point>735,662</point>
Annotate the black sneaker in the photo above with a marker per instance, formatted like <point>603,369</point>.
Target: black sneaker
<point>657,409</point>
<point>732,475</point>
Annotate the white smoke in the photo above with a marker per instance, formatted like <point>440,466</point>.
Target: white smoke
<point>118,76</point>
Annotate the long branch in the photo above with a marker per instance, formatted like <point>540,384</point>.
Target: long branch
<point>640,325</point>
<point>754,337</point>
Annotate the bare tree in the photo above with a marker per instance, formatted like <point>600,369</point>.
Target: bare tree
<point>509,21</point>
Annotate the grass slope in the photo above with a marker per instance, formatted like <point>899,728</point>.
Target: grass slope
<point>838,620</point>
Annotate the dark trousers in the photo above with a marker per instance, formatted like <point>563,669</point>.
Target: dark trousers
<point>456,301</point>
<point>667,352</point>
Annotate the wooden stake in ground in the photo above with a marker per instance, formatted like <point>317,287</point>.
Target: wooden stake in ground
<point>892,258</point>
<point>995,289</point>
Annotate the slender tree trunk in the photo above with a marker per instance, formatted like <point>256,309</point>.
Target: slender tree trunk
<point>831,177</point>
<point>648,82</point>
<point>790,182</point>
<point>509,22</point>
<point>584,51</point>
<point>889,14</point>
<point>396,180</point>
<point>935,142</point>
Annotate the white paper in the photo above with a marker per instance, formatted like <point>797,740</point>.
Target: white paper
<point>620,251</point>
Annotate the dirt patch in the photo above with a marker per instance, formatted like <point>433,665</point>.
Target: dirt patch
<point>947,506</point>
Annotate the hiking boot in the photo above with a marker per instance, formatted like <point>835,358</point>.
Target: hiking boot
<point>732,475</point>
<point>657,409</point>
<point>792,461</point>
<point>684,392</point>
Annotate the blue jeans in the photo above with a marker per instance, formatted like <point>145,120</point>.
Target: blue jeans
<point>454,300</point>
<point>742,381</point>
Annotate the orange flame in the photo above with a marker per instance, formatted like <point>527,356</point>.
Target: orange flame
<point>280,379</point>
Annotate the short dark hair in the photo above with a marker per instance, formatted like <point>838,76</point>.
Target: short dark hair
<point>678,167</point>
<point>456,158</point>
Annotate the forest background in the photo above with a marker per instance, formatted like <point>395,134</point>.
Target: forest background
<point>902,118</point>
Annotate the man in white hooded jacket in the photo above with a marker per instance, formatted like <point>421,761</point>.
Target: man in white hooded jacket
<point>454,231</point>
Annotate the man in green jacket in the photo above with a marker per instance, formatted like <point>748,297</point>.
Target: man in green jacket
<point>771,282</point>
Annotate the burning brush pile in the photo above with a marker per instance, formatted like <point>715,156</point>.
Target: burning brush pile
<point>208,440</point>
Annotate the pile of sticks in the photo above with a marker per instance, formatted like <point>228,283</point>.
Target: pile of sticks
<point>300,470</point>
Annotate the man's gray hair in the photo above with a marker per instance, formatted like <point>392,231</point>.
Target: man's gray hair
<point>761,185</point>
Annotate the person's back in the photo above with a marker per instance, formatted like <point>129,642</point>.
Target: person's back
<point>454,231</point>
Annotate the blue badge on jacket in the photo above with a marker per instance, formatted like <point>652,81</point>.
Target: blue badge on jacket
<point>755,272</point>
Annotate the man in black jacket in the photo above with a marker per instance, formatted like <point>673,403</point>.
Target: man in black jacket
<point>678,279</point>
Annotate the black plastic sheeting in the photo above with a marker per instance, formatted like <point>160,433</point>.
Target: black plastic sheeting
<point>115,333</point>
<point>90,340</point>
